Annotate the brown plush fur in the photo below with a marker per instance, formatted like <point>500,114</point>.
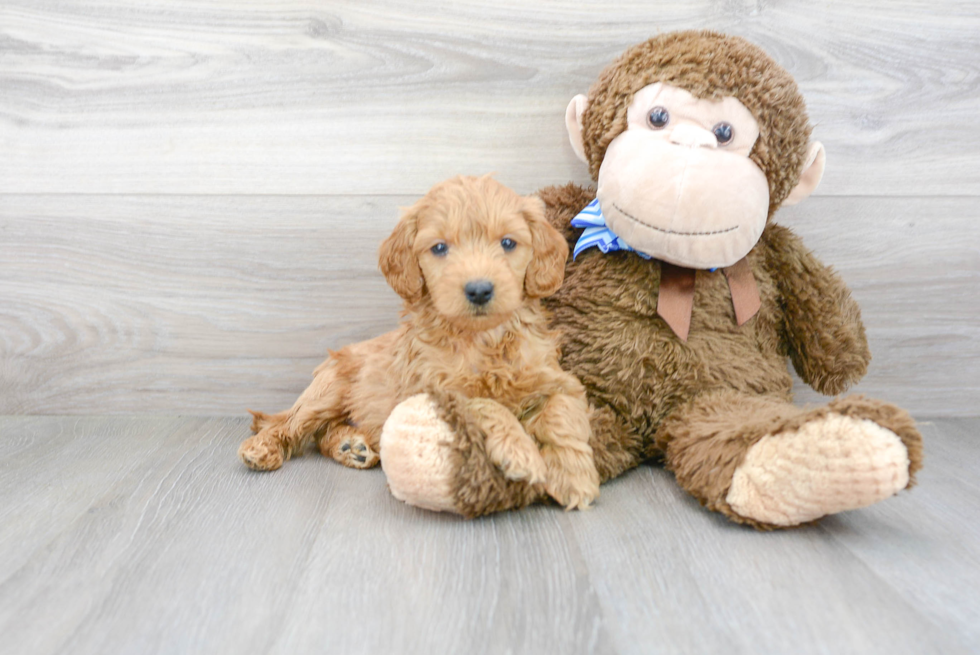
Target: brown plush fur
<point>496,363</point>
<point>706,440</point>
<point>701,405</point>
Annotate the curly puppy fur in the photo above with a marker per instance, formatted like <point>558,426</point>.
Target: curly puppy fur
<point>491,359</point>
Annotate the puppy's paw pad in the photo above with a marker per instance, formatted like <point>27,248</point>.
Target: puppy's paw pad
<point>355,452</point>
<point>261,454</point>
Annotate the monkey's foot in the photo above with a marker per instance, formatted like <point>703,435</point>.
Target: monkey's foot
<point>415,455</point>
<point>349,447</point>
<point>261,452</point>
<point>829,465</point>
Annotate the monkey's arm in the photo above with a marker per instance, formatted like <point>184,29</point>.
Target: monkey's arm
<point>822,322</point>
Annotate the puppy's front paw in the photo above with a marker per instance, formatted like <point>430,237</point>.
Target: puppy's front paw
<point>509,446</point>
<point>571,494</point>
<point>523,464</point>
<point>261,453</point>
<point>514,452</point>
<point>350,448</point>
<point>572,477</point>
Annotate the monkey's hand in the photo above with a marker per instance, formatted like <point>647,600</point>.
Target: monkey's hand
<point>822,322</point>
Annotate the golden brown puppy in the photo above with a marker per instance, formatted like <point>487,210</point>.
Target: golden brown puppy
<point>470,259</point>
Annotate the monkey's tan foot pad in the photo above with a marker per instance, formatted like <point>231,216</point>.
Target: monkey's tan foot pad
<point>261,453</point>
<point>828,465</point>
<point>415,455</point>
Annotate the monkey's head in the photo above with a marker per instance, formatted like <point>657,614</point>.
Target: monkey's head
<point>694,139</point>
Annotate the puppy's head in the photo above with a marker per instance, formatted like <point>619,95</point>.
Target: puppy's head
<point>477,249</point>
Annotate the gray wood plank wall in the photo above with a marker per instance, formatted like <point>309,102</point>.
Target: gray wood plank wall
<point>192,194</point>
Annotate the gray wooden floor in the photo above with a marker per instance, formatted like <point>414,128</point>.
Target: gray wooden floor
<point>145,535</point>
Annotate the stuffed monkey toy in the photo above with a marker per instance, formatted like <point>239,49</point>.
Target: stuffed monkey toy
<point>683,300</point>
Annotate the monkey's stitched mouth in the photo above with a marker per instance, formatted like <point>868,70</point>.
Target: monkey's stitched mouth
<point>660,229</point>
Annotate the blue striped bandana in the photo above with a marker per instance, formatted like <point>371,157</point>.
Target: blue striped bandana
<point>597,234</point>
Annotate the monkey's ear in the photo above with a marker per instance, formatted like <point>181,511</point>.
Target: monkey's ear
<point>573,121</point>
<point>816,160</point>
<point>546,271</point>
<point>397,260</point>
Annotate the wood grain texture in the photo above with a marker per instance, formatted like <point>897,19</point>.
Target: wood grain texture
<point>199,305</point>
<point>914,267</point>
<point>190,552</point>
<point>669,573</point>
<point>944,512</point>
<point>299,97</point>
<point>146,535</point>
<point>209,305</point>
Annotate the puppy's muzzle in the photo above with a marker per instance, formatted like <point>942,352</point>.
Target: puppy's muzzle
<point>479,292</point>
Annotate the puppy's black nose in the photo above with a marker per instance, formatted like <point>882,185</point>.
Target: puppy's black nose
<point>479,292</point>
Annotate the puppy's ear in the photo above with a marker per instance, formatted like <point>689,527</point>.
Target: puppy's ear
<point>397,259</point>
<point>547,268</point>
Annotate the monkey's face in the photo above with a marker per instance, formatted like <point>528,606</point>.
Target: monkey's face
<point>678,183</point>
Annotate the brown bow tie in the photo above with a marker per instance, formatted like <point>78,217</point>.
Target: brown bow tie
<point>676,299</point>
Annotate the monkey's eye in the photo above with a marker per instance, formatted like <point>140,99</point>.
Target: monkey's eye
<point>439,249</point>
<point>508,244</point>
<point>723,132</point>
<point>658,118</point>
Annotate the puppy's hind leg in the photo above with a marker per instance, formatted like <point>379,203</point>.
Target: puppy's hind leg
<point>278,436</point>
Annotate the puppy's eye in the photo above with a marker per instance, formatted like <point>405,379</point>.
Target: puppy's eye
<point>439,249</point>
<point>508,244</point>
<point>724,132</point>
<point>658,118</point>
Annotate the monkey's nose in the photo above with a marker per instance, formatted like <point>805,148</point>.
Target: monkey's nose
<point>479,292</point>
<point>693,136</point>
